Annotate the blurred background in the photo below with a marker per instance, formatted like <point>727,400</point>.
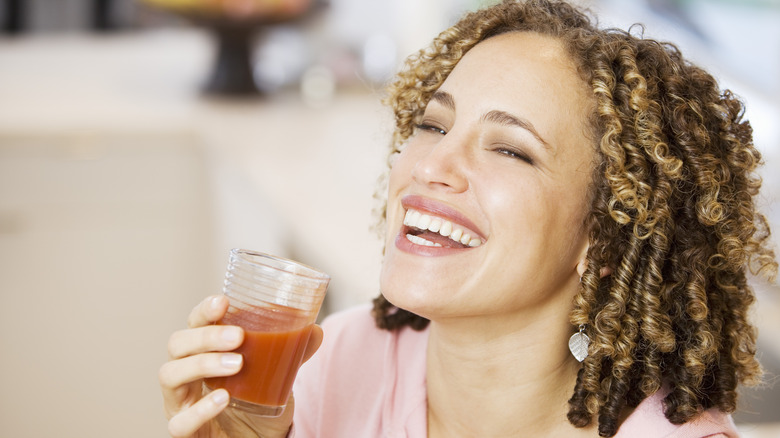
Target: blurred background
<point>141,140</point>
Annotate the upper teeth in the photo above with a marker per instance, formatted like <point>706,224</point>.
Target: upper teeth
<point>444,227</point>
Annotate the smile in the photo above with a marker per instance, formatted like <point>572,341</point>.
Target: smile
<point>428,230</point>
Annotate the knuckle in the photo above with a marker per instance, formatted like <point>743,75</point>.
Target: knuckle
<point>205,362</point>
<point>173,344</point>
<point>196,315</point>
<point>209,336</point>
<point>164,375</point>
<point>191,320</point>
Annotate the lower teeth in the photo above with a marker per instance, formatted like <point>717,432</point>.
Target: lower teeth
<point>420,241</point>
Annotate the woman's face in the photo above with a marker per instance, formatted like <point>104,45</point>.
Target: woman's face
<point>503,156</point>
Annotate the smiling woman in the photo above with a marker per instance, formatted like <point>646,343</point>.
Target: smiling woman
<point>569,226</point>
<point>525,200</point>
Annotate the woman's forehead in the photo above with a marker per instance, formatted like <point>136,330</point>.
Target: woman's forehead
<point>526,74</point>
<point>519,65</point>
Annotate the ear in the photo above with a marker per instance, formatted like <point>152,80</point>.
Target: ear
<point>583,264</point>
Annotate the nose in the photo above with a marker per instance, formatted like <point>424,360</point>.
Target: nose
<point>443,166</point>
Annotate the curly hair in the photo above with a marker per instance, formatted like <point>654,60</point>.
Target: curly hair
<point>672,214</point>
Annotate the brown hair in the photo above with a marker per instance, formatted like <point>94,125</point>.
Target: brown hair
<point>672,215</point>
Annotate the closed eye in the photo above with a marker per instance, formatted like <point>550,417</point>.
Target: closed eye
<point>431,128</point>
<point>512,153</point>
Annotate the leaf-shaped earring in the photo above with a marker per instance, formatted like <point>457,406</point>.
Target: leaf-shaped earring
<point>578,344</point>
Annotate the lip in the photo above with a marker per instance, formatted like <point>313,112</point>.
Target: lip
<point>436,208</point>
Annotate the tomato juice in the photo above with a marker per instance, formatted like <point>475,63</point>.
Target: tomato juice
<point>272,355</point>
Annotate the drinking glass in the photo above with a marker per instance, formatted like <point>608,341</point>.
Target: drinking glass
<point>276,302</point>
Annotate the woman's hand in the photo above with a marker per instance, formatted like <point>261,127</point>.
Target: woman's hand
<point>203,350</point>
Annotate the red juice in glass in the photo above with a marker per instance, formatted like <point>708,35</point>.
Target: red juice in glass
<point>276,302</point>
<point>271,358</point>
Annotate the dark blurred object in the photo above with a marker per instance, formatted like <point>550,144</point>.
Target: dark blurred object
<point>44,16</point>
<point>101,15</point>
<point>235,25</point>
<point>232,72</point>
<point>14,17</point>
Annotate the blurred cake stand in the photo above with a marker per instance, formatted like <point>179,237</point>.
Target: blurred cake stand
<point>233,71</point>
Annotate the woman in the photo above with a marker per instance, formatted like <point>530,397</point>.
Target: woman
<point>549,180</point>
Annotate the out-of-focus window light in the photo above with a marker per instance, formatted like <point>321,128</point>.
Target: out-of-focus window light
<point>736,40</point>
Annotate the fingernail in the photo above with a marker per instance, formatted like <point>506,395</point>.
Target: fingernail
<point>219,397</point>
<point>214,302</point>
<point>231,360</point>
<point>231,334</point>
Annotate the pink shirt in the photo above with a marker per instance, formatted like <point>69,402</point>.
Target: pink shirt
<point>367,382</point>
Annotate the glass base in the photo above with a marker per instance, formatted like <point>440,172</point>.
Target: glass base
<point>249,407</point>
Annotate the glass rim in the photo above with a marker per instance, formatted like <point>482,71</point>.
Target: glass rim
<point>302,270</point>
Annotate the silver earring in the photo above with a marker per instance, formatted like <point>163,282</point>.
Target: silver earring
<point>578,344</point>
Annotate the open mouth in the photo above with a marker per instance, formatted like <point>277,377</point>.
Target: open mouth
<point>428,230</point>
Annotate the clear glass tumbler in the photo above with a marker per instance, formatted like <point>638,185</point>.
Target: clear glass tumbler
<point>276,301</point>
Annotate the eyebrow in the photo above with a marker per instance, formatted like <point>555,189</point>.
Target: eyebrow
<point>495,116</point>
<point>445,99</point>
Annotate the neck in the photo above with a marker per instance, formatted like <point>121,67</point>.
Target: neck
<point>488,377</point>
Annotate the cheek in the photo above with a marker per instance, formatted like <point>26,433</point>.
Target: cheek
<point>531,217</point>
<point>515,205</point>
<point>398,179</point>
<point>400,172</point>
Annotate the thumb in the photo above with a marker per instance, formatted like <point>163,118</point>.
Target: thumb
<point>315,340</point>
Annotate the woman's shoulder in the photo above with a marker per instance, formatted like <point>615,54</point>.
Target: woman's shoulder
<point>363,381</point>
<point>352,328</point>
<point>648,420</point>
<point>349,334</point>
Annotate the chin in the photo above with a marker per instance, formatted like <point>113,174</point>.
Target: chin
<point>422,285</point>
<point>418,301</point>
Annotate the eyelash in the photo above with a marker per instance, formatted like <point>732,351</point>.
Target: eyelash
<point>431,128</point>
<point>515,154</point>
<point>501,150</point>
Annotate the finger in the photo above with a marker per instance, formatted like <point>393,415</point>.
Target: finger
<point>315,340</point>
<point>188,421</point>
<point>208,311</point>
<point>204,339</point>
<point>175,374</point>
